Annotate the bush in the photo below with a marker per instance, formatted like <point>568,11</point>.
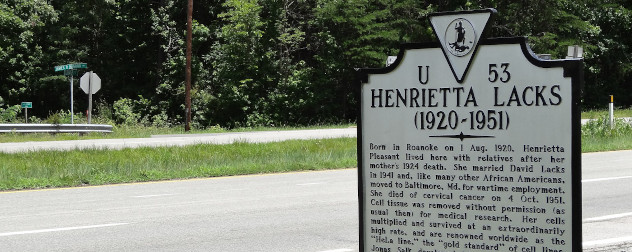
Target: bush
<point>601,128</point>
<point>133,112</point>
<point>103,111</point>
<point>124,112</point>
<point>10,114</point>
<point>59,117</point>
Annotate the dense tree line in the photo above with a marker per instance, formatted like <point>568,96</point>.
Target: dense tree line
<point>269,62</point>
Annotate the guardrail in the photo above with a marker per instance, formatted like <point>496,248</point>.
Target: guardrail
<point>55,128</point>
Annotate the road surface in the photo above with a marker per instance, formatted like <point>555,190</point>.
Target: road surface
<point>607,201</point>
<point>305,211</point>
<point>179,140</point>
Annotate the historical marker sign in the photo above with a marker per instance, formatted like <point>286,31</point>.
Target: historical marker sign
<point>470,144</point>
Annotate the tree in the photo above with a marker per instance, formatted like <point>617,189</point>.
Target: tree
<point>271,62</point>
<point>239,61</point>
<point>608,55</point>
<point>22,49</point>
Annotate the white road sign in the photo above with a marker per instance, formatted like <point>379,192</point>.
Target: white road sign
<point>90,79</point>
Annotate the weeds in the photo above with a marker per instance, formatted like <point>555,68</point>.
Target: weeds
<point>598,135</point>
<point>96,167</point>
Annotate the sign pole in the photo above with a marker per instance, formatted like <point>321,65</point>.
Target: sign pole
<point>72,112</point>
<point>90,83</point>
<point>26,106</point>
<point>90,98</point>
<point>187,88</point>
<point>69,69</point>
<point>611,111</point>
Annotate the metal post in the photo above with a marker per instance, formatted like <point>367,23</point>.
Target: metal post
<point>26,115</point>
<point>187,89</point>
<point>90,98</point>
<point>72,110</point>
<point>611,110</point>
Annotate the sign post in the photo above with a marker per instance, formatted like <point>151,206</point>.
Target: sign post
<point>71,70</point>
<point>90,83</point>
<point>470,144</point>
<point>611,111</point>
<point>26,106</point>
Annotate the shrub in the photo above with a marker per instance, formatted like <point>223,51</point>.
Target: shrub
<point>601,128</point>
<point>10,114</point>
<point>124,112</point>
<point>59,117</point>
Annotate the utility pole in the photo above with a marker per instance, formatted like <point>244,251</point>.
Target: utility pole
<point>187,89</point>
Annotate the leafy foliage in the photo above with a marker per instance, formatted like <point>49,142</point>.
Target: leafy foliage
<point>601,128</point>
<point>9,114</point>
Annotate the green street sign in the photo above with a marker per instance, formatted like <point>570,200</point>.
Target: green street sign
<point>71,66</point>
<point>73,72</point>
<point>27,105</point>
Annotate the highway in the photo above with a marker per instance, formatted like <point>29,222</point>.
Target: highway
<point>178,140</point>
<point>311,211</point>
<point>305,211</point>
<point>607,201</point>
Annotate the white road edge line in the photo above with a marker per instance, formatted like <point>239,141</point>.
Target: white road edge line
<point>605,179</point>
<point>308,184</point>
<point>607,217</point>
<point>60,229</point>
<point>339,250</point>
<point>607,241</point>
<point>153,195</point>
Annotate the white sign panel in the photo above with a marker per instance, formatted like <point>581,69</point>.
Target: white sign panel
<point>90,79</point>
<point>485,161</point>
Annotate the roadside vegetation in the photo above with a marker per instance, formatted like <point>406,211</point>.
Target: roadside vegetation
<point>123,130</point>
<point>46,169</point>
<point>600,113</point>
<point>598,135</point>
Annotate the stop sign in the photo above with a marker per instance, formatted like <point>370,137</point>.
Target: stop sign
<point>90,79</point>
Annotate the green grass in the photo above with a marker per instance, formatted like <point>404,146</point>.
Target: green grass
<point>597,113</point>
<point>46,169</point>
<point>594,144</point>
<point>597,135</point>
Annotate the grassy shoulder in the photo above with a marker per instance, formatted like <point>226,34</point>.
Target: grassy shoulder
<point>597,135</point>
<point>97,167</point>
<point>48,169</point>
<point>599,113</point>
<point>597,144</point>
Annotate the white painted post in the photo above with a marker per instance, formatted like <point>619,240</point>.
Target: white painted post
<point>611,110</point>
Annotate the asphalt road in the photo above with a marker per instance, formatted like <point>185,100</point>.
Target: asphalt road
<point>314,211</point>
<point>178,140</point>
<point>607,201</point>
<point>309,211</point>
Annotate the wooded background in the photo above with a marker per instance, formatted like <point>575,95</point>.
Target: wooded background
<point>268,62</point>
